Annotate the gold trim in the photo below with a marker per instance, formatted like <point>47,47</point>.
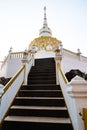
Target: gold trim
<point>63,75</point>
<point>85,117</point>
<point>45,40</point>
<point>6,87</point>
<point>8,109</point>
<point>66,81</point>
<point>45,31</point>
<point>13,79</point>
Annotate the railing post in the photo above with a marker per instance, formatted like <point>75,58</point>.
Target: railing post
<point>33,51</point>
<point>58,58</point>
<point>24,62</point>
<point>33,61</point>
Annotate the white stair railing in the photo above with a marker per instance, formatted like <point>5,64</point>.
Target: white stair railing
<point>10,90</point>
<point>70,103</point>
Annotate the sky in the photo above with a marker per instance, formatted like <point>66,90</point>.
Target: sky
<point>21,20</point>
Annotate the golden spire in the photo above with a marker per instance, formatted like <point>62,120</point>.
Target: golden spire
<point>45,19</point>
<point>45,30</point>
<point>45,41</point>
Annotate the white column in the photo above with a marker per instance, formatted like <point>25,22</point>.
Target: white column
<point>58,58</point>
<point>24,62</point>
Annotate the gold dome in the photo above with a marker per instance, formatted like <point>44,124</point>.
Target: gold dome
<point>45,43</point>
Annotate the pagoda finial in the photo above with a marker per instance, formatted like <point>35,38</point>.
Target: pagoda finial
<point>44,12</point>
<point>45,19</point>
<point>44,8</point>
<point>45,30</point>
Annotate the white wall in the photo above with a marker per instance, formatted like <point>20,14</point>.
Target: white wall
<point>44,54</point>
<point>3,69</point>
<point>73,61</point>
<point>69,61</point>
<point>13,66</point>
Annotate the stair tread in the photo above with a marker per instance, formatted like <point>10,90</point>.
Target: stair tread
<point>40,98</point>
<point>42,90</point>
<point>42,85</point>
<point>38,119</point>
<point>39,107</point>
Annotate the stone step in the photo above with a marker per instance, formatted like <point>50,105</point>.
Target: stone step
<point>41,87</point>
<point>14,122</point>
<point>40,93</point>
<point>38,111</point>
<point>39,101</point>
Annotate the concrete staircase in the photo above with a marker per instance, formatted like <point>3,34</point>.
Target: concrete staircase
<point>40,104</point>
